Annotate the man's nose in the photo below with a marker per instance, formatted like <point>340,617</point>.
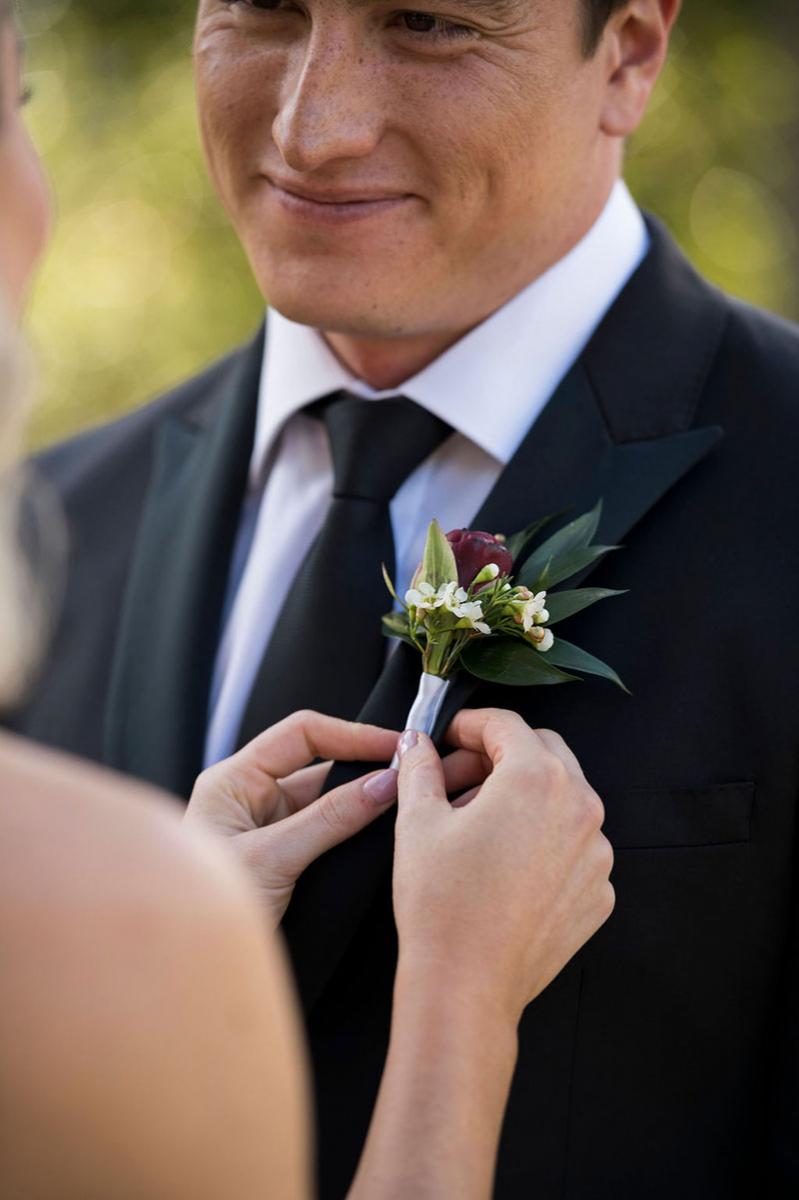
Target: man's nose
<point>330,106</point>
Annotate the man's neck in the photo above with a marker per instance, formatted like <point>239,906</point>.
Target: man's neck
<point>386,363</point>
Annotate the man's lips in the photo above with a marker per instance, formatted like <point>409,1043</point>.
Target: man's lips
<point>334,205</point>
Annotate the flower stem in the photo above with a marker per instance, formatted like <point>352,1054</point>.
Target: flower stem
<point>435,657</point>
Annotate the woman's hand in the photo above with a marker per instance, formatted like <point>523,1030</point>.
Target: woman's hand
<point>267,799</point>
<point>494,895</point>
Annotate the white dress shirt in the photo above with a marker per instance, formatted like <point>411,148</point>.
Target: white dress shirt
<point>490,387</point>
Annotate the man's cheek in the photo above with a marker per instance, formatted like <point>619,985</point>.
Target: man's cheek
<point>236,106</point>
<point>229,124</point>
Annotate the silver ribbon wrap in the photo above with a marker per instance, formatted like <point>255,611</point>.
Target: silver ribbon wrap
<point>426,707</point>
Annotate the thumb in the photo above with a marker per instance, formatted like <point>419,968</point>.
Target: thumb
<point>421,773</point>
<point>291,845</point>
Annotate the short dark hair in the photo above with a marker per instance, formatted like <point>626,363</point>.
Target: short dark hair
<point>596,14</point>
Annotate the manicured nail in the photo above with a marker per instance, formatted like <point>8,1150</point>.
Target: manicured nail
<point>382,788</point>
<point>408,740</point>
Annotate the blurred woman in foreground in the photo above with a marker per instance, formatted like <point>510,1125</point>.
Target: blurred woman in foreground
<point>149,1045</point>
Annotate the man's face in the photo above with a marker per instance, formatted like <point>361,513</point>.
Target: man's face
<point>395,171</point>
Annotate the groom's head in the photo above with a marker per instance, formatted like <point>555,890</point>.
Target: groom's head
<point>397,170</point>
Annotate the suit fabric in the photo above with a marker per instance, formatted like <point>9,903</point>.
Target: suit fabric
<point>663,1060</point>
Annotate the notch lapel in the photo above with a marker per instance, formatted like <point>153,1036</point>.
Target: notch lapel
<point>613,429</point>
<point>169,626</point>
<point>630,479</point>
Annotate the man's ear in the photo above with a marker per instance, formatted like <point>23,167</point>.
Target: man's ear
<point>634,45</point>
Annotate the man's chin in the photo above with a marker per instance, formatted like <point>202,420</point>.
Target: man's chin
<point>335,315</point>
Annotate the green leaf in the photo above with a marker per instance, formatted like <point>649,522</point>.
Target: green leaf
<point>438,563</point>
<point>560,567</point>
<point>503,660</point>
<point>395,624</point>
<point>389,584</point>
<point>561,605</point>
<point>517,542</point>
<point>564,654</point>
<point>574,536</point>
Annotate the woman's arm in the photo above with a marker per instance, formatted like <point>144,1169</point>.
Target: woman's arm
<point>436,1125</point>
<point>149,1045</point>
<point>492,897</point>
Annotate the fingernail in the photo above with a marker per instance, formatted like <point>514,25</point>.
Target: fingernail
<point>408,740</point>
<point>382,788</point>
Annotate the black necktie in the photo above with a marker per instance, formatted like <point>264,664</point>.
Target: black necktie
<point>327,651</point>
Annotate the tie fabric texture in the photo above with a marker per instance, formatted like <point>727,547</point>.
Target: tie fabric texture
<point>327,649</point>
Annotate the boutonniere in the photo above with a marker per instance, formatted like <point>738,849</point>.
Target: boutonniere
<point>484,604</point>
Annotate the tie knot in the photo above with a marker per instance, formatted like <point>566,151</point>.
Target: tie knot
<point>376,444</point>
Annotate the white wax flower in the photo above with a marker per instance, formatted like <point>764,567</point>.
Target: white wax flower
<point>542,639</point>
<point>449,596</point>
<point>422,597</point>
<point>473,613</point>
<point>530,610</point>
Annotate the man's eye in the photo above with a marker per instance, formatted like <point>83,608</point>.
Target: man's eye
<point>426,23</point>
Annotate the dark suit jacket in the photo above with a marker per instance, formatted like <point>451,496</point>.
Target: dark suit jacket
<point>663,1061</point>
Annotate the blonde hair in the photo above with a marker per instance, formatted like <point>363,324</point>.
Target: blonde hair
<point>23,607</point>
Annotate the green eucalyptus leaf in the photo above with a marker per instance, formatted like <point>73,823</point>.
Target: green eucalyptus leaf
<point>517,542</point>
<point>565,654</point>
<point>574,536</point>
<point>438,564</point>
<point>560,567</point>
<point>561,605</point>
<point>395,624</point>
<point>503,660</point>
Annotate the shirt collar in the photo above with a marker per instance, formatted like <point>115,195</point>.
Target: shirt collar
<point>492,384</point>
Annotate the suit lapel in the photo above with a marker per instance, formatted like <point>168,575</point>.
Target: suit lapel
<point>160,679</point>
<point>619,427</point>
<point>630,479</point>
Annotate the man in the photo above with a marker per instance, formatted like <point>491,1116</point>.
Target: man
<point>430,201</point>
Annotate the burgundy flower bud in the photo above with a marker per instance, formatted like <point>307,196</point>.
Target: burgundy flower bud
<point>474,550</point>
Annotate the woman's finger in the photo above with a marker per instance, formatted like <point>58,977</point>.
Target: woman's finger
<point>463,769</point>
<point>304,786</point>
<point>466,798</point>
<point>294,742</point>
<point>490,731</point>
<point>421,774</point>
<point>284,850</point>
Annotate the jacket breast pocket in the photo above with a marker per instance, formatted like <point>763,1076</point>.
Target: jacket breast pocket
<point>651,818</point>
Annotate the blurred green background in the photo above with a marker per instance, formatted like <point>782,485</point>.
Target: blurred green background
<point>145,282</point>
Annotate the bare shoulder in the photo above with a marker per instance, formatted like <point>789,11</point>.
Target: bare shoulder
<point>86,826</point>
<point>143,999</point>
